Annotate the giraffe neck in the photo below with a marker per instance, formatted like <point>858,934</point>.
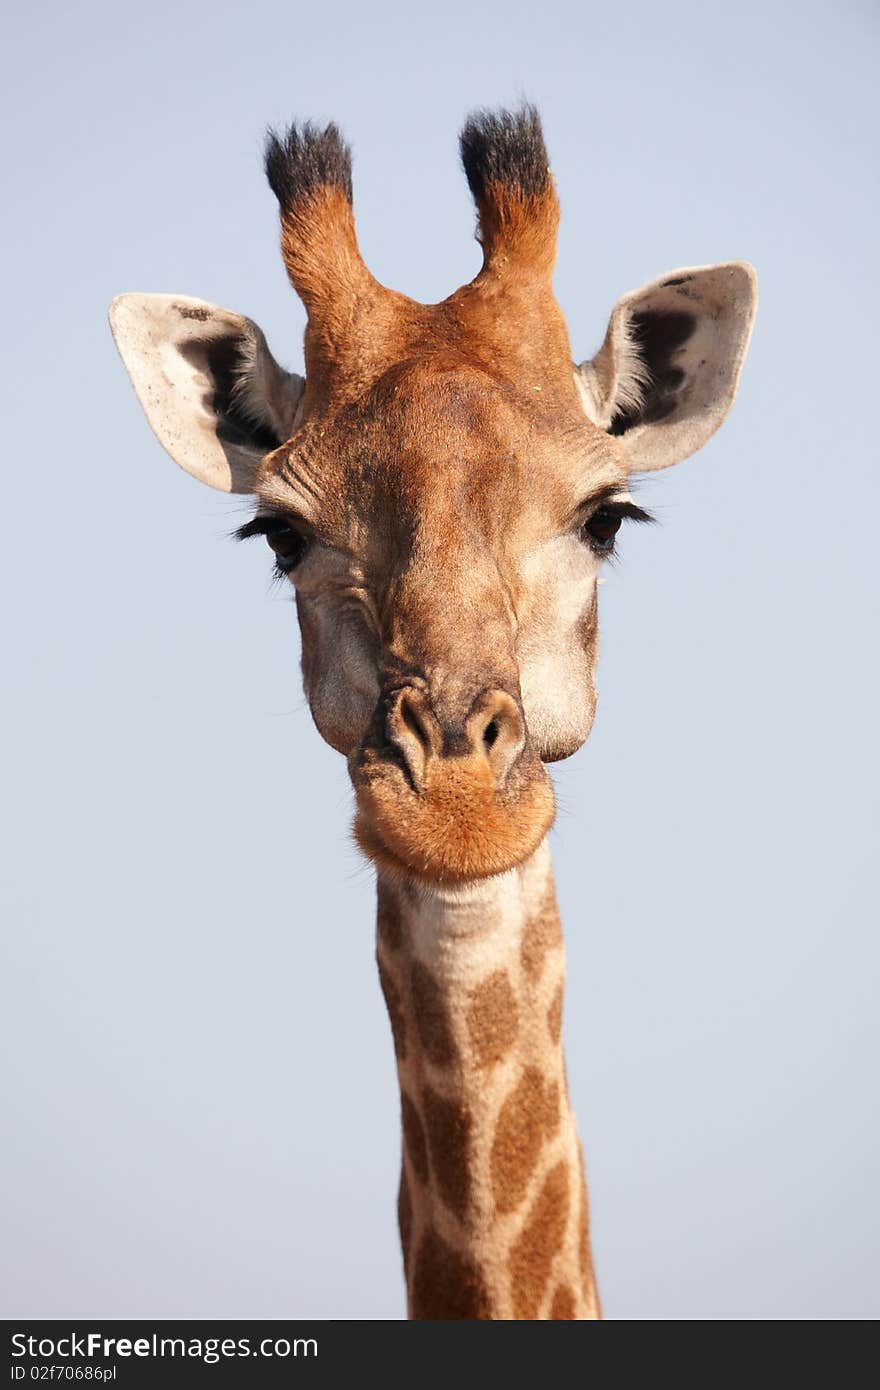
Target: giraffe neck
<point>493,1205</point>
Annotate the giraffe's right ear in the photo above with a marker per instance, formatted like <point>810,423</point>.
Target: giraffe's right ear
<point>214,395</point>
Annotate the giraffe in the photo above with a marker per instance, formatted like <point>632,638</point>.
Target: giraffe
<point>441,489</point>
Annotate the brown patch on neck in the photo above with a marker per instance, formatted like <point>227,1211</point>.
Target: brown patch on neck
<point>542,935</point>
<point>432,1017</point>
<point>519,1137</point>
<point>448,1125</point>
<point>562,1308</point>
<point>414,1145</point>
<point>492,1019</point>
<point>390,923</point>
<point>447,1285</point>
<point>532,1254</point>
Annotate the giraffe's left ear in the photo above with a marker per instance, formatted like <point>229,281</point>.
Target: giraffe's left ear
<point>666,375</point>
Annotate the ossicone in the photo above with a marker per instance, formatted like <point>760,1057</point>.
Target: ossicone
<point>508,172</point>
<point>309,171</point>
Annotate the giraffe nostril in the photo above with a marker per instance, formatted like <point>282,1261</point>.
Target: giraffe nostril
<point>415,723</point>
<point>497,732</point>
<point>411,727</point>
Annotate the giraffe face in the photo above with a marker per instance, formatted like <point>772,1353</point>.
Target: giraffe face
<point>442,485</point>
<point>444,534</point>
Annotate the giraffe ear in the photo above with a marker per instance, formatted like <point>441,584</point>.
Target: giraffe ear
<point>214,395</point>
<point>667,373</point>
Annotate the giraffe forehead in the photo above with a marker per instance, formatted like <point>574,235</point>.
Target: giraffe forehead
<point>429,432</point>
<point>438,434</point>
<point>439,430</point>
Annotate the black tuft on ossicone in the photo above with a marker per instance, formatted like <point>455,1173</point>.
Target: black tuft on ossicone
<point>304,159</point>
<point>505,147</point>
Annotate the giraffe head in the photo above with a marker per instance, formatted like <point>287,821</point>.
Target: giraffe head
<point>443,485</point>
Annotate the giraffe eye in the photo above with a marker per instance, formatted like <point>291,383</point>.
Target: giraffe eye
<point>601,528</point>
<point>288,539</point>
<point>288,544</point>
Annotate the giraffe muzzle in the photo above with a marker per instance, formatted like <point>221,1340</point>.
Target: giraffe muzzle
<point>450,795</point>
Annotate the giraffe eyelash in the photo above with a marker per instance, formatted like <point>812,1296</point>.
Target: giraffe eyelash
<point>265,524</point>
<point>626,511</point>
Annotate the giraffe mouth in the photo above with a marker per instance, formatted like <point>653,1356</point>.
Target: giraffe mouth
<point>460,827</point>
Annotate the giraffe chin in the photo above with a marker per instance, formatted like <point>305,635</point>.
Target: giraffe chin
<point>460,828</point>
